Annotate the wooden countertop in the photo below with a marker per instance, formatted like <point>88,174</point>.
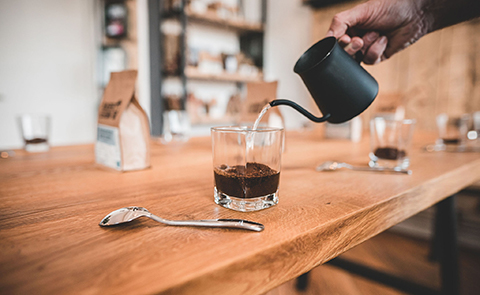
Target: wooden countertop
<point>51,204</point>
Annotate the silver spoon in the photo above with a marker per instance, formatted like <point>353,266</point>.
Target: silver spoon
<point>128,214</point>
<point>451,148</point>
<point>332,166</point>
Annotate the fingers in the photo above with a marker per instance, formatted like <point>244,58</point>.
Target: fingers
<point>371,44</point>
<point>401,40</point>
<point>355,45</point>
<point>375,52</point>
<point>368,39</point>
<point>344,40</point>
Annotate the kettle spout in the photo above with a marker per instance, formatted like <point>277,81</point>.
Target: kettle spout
<point>300,109</point>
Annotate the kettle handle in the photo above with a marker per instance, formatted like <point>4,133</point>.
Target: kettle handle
<point>301,110</point>
<point>359,57</point>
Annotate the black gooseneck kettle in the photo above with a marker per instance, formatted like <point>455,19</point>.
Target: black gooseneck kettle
<point>341,88</point>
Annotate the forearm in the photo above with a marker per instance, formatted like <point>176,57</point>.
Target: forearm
<point>443,13</point>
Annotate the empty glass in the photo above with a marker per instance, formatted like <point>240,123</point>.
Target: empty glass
<point>476,128</point>
<point>176,126</point>
<point>452,130</point>
<point>246,167</point>
<point>35,129</point>
<point>390,142</point>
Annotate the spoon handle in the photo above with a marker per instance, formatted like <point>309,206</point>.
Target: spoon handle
<point>394,170</point>
<point>230,223</point>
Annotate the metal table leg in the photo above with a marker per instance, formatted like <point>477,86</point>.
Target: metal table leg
<point>302,282</point>
<point>446,220</point>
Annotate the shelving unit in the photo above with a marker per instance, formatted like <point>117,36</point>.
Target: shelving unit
<point>236,24</point>
<point>125,45</point>
<point>194,73</point>
<point>250,34</point>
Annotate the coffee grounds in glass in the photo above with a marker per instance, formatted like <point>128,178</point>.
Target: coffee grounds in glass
<point>389,153</point>
<point>250,181</point>
<point>35,140</point>
<point>451,140</point>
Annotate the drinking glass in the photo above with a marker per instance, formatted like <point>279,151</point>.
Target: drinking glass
<point>35,129</point>
<point>476,123</point>
<point>176,126</point>
<point>390,142</point>
<point>246,166</point>
<point>452,130</point>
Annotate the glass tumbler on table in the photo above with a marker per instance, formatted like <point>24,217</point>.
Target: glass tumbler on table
<point>390,142</point>
<point>452,130</point>
<point>35,130</point>
<point>246,166</point>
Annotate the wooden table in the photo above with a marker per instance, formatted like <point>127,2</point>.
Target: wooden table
<point>51,204</point>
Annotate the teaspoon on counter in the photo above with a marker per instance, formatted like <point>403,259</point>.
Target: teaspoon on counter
<point>332,166</point>
<point>128,214</point>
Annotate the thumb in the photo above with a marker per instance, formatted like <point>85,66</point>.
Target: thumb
<point>338,27</point>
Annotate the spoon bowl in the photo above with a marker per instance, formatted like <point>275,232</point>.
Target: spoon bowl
<point>124,215</point>
<point>127,214</point>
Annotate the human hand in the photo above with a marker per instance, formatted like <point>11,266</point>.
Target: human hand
<point>379,28</point>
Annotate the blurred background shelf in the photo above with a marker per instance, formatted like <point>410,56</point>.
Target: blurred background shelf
<point>226,120</point>
<point>195,73</point>
<point>213,19</point>
<point>195,39</point>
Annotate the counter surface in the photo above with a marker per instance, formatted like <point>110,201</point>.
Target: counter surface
<point>51,205</point>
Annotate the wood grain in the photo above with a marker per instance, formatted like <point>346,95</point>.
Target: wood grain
<point>52,203</point>
<point>399,255</point>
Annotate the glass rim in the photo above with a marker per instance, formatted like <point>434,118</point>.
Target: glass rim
<point>245,129</point>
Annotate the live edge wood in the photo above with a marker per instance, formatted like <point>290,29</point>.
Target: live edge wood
<point>51,204</point>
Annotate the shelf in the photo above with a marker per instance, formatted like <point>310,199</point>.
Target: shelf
<point>213,19</point>
<point>194,73</point>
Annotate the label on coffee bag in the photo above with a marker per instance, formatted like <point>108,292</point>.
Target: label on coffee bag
<point>107,148</point>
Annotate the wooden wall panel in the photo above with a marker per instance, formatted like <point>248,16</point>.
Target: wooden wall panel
<point>473,103</point>
<point>421,85</point>
<point>440,73</point>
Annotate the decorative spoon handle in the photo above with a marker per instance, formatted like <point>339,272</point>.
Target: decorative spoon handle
<point>230,223</point>
<point>394,170</point>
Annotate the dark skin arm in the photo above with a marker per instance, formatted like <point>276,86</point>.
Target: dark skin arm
<point>381,28</point>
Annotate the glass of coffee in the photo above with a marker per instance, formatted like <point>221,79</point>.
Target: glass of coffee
<point>246,166</point>
<point>452,130</point>
<point>35,130</point>
<point>390,142</point>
